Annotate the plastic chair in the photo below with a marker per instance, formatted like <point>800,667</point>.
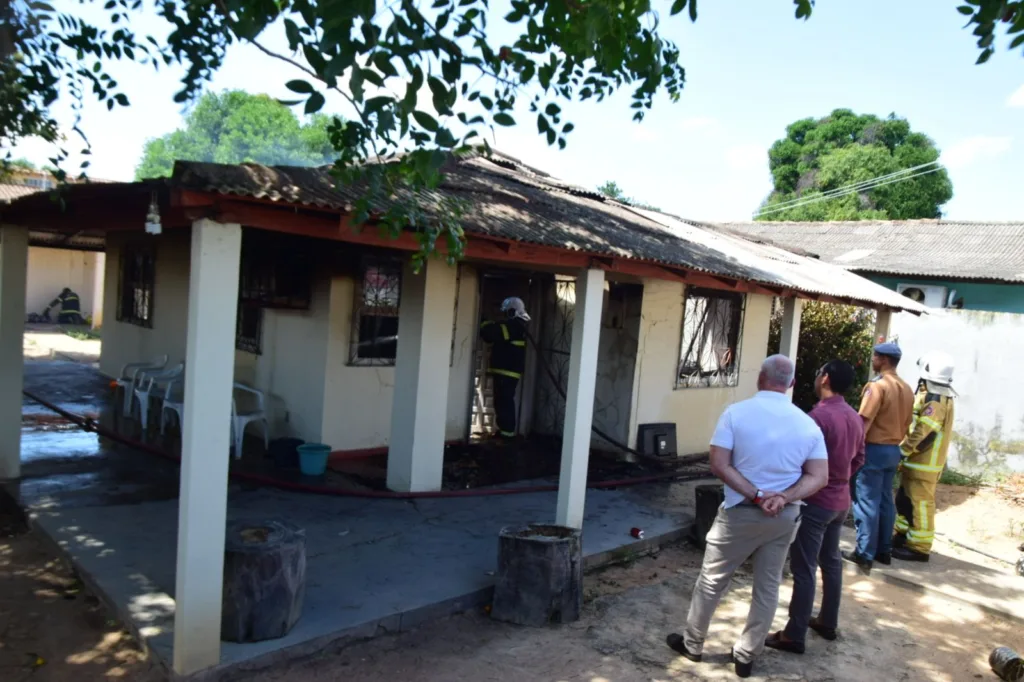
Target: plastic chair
<point>174,401</point>
<point>241,419</point>
<point>126,381</point>
<point>148,381</point>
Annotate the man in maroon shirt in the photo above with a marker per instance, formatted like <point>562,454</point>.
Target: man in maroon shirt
<point>817,541</point>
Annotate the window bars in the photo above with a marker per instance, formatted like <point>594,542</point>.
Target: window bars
<point>135,287</point>
<point>249,328</point>
<point>709,352</point>
<point>375,314</point>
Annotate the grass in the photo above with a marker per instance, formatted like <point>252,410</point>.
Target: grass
<point>83,334</point>
<point>953,477</point>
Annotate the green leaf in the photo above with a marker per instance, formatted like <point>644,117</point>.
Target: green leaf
<point>292,31</point>
<point>440,93</point>
<point>677,7</point>
<point>542,124</point>
<point>451,70</point>
<point>315,103</point>
<point>504,119</point>
<point>693,10</point>
<point>425,121</point>
<point>444,138</point>
<point>567,128</point>
<point>984,56</point>
<point>487,102</point>
<point>1019,40</point>
<point>299,86</point>
<point>966,10</point>
<point>122,99</point>
<point>384,65</point>
<point>552,109</point>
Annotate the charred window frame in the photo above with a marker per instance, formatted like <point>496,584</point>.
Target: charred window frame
<point>275,273</point>
<point>709,353</point>
<point>136,284</point>
<point>375,313</point>
<point>249,328</point>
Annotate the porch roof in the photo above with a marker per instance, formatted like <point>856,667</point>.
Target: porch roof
<point>514,214</point>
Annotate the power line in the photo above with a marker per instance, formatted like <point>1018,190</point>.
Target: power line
<point>859,185</point>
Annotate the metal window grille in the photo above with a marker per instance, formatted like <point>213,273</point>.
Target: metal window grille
<point>275,273</point>
<point>249,328</point>
<point>375,320</point>
<point>135,287</point>
<point>710,348</point>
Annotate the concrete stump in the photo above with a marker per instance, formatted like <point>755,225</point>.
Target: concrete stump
<point>708,498</point>
<point>264,580</point>
<point>1007,664</point>
<point>540,575</point>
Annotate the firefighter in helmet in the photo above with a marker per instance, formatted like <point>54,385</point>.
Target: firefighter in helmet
<point>70,308</point>
<point>924,456</point>
<point>508,358</point>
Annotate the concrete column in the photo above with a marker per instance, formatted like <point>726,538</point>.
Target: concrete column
<point>579,404</point>
<point>202,504</point>
<point>13,275</point>
<point>98,278</point>
<point>792,309</point>
<point>883,325</point>
<point>420,403</point>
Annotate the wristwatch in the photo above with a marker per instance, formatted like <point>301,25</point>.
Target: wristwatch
<point>758,496</point>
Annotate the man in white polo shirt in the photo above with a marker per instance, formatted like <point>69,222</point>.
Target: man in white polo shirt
<point>770,455</point>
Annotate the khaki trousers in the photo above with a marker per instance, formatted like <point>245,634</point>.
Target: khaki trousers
<point>738,533</point>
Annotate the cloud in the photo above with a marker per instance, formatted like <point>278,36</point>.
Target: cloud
<point>1016,100</point>
<point>642,133</point>
<point>746,156</point>
<point>698,123</point>
<point>973,149</point>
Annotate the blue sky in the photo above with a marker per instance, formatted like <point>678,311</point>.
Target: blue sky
<point>751,70</point>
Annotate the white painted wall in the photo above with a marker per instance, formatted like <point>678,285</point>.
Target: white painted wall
<point>50,270</point>
<point>695,411</point>
<point>989,423</point>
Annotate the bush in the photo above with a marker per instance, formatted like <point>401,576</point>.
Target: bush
<point>828,332</point>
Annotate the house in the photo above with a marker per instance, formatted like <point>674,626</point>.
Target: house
<point>971,277</point>
<point>57,261</point>
<point>258,274</point>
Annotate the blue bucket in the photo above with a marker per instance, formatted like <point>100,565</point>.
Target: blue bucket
<point>313,458</point>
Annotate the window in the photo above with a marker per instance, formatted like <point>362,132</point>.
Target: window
<point>709,353</point>
<point>135,287</point>
<point>275,273</point>
<point>249,328</point>
<point>375,320</point>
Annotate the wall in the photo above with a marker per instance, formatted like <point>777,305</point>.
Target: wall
<point>989,423</point>
<point>695,411</point>
<point>50,270</point>
<point>1004,298</point>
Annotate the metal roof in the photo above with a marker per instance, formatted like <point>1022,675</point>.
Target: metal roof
<point>9,192</point>
<point>56,240</point>
<point>927,248</point>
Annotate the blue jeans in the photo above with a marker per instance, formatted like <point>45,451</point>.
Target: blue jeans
<point>874,510</point>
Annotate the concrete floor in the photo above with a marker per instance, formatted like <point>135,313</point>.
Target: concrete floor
<point>373,566</point>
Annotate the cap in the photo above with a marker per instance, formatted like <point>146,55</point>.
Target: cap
<point>889,349</point>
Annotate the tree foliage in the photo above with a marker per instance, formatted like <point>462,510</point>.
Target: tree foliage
<point>828,332</point>
<point>612,190</point>
<point>237,127</point>
<point>379,56</point>
<point>823,170</point>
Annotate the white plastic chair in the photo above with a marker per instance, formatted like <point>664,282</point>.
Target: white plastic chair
<point>148,381</point>
<point>129,376</point>
<point>174,401</point>
<point>241,419</point>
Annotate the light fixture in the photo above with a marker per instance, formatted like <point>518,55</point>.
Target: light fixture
<point>153,225</point>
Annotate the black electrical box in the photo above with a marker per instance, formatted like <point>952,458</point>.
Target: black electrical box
<point>657,440</point>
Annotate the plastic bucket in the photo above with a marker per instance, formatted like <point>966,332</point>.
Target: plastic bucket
<point>313,458</point>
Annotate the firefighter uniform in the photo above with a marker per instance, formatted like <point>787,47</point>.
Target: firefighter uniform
<point>924,451</point>
<point>508,358</point>
<point>70,307</point>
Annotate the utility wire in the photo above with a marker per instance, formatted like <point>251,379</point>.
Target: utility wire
<point>858,185</point>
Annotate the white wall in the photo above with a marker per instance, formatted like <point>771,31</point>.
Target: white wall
<point>989,422</point>
<point>50,270</point>
<point>695,411</point>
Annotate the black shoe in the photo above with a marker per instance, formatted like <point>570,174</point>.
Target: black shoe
<point>861,561</point>
<point>676,643</point>
<point>775,641</point>
<point>907,554</point>
<point>742,669</point>
<point>899,540</point>
<point>826,633</point>
<point>884,558</point>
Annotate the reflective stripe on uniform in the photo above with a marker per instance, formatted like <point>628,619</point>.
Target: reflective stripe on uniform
<point>902,524</point>
<point>507,434</point>
<point>504,331</point>
<point>505,373</point>
<point>519,344</point>
<point>921,467</point>
<point>920,535</point>
<point>930,422</point>
<point>922,510</point>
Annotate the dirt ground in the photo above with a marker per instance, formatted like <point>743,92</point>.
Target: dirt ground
<point>982,518</point>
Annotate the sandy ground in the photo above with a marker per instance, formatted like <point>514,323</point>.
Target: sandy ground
<point>49,342</point>
<point>981,518</point>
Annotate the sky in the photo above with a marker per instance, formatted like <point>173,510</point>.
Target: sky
<point>751,69</point>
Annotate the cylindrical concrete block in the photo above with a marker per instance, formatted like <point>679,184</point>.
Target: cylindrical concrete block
<point>264,580</point>
<point>708,498</point>
<point>540,575</point>
<point>1007,664</point>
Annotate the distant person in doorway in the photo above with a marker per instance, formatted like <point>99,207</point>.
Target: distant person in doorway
<point>770,455</point>
<point>887,408</point>
<point>508,359</point>
<point>821,520</point>
<point>70,308</point>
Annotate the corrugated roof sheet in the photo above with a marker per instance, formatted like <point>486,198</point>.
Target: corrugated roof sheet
<point>9,192</point>
<point>510,200</point>
<point>935,248</point>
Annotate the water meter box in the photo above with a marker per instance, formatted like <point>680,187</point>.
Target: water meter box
<point>657,440</point>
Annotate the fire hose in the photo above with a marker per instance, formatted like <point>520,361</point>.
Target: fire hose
<point>93,426</point>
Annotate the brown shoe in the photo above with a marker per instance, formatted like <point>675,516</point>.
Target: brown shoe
<point>779,641</point>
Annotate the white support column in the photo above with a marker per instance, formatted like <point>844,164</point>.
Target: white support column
<point>420,404</point>
<point>579,403</point>
<point>13,273</point>
<point>98,280</point>
<point>202,504</point>
<point>792,308</point>
<point>883,325</point>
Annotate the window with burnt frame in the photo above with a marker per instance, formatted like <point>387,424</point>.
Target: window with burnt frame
<point>135,287</point>
<point>710,348</point>
<point>249,328</point>
<point>375,320</point>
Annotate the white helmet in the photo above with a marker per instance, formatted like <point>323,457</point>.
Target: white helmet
<point>516,307</point>
<point>937,368</point>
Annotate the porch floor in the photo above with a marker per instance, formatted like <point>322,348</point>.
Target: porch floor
<point>373,566</point>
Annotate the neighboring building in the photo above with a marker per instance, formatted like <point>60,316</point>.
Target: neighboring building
<point>971,274</point>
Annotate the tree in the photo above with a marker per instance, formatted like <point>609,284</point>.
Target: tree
<point>850,167</point>
<point>236,127</point>
<point>379,56</point>
<point>612,190</point>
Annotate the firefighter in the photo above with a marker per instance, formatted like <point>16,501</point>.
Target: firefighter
<point>70,308</point>
<point>508,358</point>
<point>924,456</point>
